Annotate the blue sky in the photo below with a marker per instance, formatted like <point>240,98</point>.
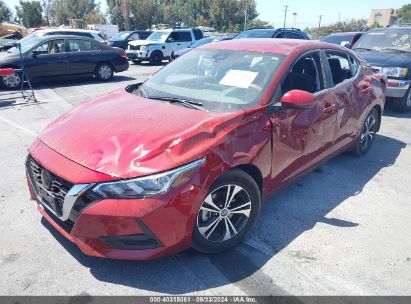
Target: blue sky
<point>308,11</point>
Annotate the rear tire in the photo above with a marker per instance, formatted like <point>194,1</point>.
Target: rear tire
<point>403,105</point>
<point>156,58</point>
<point>104,72</point>
<point>367,133</point>
<point>12,82</point>
<point>222,222</point>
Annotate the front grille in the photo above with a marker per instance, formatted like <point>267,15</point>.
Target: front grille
<point>50,188</point>
<point>134,47</point>
<point>67,226</point>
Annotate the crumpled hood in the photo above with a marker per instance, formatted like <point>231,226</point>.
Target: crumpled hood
<point>386,59</point>
<point>144,42</point>
<point>125,136</point>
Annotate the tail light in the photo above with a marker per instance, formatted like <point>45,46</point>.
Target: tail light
<point>123,54</point>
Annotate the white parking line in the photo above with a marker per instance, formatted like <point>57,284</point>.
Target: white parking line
<point>18,127</point>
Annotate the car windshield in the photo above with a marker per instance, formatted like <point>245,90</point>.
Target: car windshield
<point>120,36</point>
<point>25,44</point>
<point>32,35</point>
<point>255,34</point>
<point>338,39</point>
<point>159,36</point>
<point>395,38</point>
<point>202,42</point>
<point>220,80</point>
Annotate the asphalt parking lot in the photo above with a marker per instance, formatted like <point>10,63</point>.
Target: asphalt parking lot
<point>344,229</point>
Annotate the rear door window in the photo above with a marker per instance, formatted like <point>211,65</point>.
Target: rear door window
<point>78,45</point>
<point>294,35</point>
<point>340,66</point>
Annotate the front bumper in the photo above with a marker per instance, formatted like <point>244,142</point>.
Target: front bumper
<point>397,88</point>
<point>138,229</point>
<point>137,55</point>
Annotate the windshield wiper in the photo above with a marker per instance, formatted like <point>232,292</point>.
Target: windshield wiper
<point>362,48</point>
<point>394,50</point>
<point>188,103</point>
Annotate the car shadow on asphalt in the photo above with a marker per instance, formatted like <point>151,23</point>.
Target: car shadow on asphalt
<point>390,112</point>
<point>286,216</point>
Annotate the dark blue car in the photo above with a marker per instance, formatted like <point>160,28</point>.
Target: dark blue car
<point>62,55</point>
<point>288,33</point>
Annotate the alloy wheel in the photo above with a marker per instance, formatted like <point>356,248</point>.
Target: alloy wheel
<point>12,81</point>
<point>368,132</point>
<point>105,72</point>
<point>224,213</point>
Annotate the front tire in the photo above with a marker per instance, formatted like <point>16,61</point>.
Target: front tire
<point>227,213</point>
<point>156,58</point>
<point>368,133</point>
<point>12,82</point>
<point>104,72</point>
<point>403,105</point>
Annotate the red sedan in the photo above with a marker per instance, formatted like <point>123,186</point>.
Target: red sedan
<point>188,157</point>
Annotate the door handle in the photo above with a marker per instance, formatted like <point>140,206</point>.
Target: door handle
<point>329,108</point>
<point>178,43</point>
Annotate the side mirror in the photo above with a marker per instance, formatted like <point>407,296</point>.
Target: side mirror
<point>35,53</point>
<point>346,45</point>
<point>298,99</point>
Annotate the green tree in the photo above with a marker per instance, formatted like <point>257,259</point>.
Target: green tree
<point>29,13</point>
<point>5,12</point>
<point>354,25</point>
<point>404,14</point>
<point>63,10</point>
<point>224,15</point>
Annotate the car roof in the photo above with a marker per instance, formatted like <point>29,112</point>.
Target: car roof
<point>65,37</point>
<point>345,33</point>
<point>275,46</point>
<point>67,30</point>
<point>261,30</point>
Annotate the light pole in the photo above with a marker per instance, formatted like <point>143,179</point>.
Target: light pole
<point>285,14</point>
<point>245,15</point>
<point>294,20</point>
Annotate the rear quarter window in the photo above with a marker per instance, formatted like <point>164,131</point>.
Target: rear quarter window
<point>198,34</point>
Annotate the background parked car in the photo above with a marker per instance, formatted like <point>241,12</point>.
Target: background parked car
<point>162,44</point>
<point>289,33</point>
<point>389,50</point>
<point>63,55</point>
<point>347,39</point>
<point>200,43</point>
<point>63,31</point>
<point>121,39</point>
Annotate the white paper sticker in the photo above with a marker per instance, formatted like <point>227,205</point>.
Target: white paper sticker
<point>238,78</point>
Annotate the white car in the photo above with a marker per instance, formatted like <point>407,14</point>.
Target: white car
<point>162,44</point>
<point>64,31</point>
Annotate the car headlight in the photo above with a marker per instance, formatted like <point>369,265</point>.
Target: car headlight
<point>395,72</point>
<point>144,48</point>
<point>148,186</point>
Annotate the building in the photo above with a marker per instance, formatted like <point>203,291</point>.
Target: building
<point>384,17</point>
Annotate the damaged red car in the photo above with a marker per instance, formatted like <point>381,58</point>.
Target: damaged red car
<point>187,158</point>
